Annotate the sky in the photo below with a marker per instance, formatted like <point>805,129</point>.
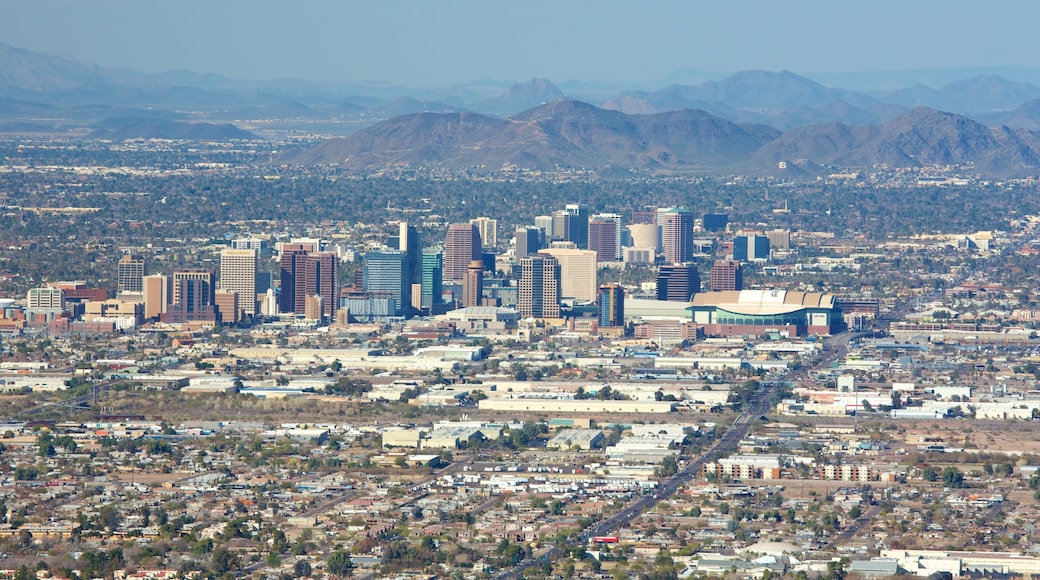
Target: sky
<point>443,42</point>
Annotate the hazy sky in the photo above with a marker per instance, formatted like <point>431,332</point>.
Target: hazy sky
<point>439,42</point>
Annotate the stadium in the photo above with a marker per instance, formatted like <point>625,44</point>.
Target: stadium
<point>756,312</point>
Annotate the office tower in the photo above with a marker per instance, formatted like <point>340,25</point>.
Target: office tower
<point>238,275</point>
<point>194,297</point>
<point>579,224</point>
<point>561,225</point>
<point>750,248</point>
<point>290,261</point>
<point>488,230</point>
<point>645,236</point>
<point>577,272</point>
<point>538,294</point>
<point>320,277</point>
<point>257,244</point>
<point>156,295</point>
<point>779,239</point>
<point>715,222</point>
<point>45,298</point>
<point>618,231</point>
<point>603,240</point>
<point>130,271</point>
<point>385,276</point>
<point>227,303</point>
<point>677,235</point>
<point>269,303</point>
<point>461,247</point>
<point>473,287</point>
<point>610,302</point>
<point>678,282</point>
<point>411,245</point>
<point>726,275</point>
<point>528,241</point>
<point>432,278</point>
<point>544,223</point>
<point>206,289</point>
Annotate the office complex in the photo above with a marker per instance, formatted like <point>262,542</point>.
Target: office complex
<point>578,225</point>
<point>238,274</point>
<point>538,295</point>
<point>130,271</point>
<point>432,278</point>
<point>488,230</point>
<point>619,231</point>
<point>410,244</point>
<point>610,303</point>
<point>577,272</point>
<point>751,248</point>
<point>156,295</point>
<point>461,247</point>
<point>473,286</point>
<point>206,289</point>
<point>385,277</point>
<point>726,275</point>
<point>677,235</point>
<point>528,241</point>
<point>678,282</point>
<point>306,274</point>
<point>603,239</point>
<point>715,222</point>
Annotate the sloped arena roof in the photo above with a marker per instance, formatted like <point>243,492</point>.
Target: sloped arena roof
<point>763,302</point>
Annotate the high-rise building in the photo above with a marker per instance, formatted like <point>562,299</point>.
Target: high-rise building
<point>461,247</point>
<point>561,225</point>
<point>473,286</point>
<point>45,298</point>
<point>290,261</point>
<point>751,248</point>
<point>610,302</point>
<point>644,217</point>
<point>715,222</point>
<point>544,223</point>
<point>156,295</point>
<point>385,276</point>
<point>538,294</point>
<point>238,274</point>
<point>779,239</point>
<point>227,303</point>
<point>678,282</point>
<point>258,244</point>
<point>645,236</point>
<point>488,230</point>
<point>320,278</point>
<point>528,241</point>
<point>432,278</point>
<point>579,224</point>
<point>618,231</point>
<point>677,235</point>
<point>204,296</point>
<point>603,240</point>
<point>726,275</point>
<point>577,272</point>
<point>130,271</point>
<point>411,245</point>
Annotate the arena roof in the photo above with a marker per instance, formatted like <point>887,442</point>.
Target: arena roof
<point>762,302</point>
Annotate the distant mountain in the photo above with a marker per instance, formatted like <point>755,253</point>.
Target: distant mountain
<point>979,94</point>
<point>521,97</point>
<point>1027,116</point>
<point>919,138</point>
<point>564,133</point>
<point>123,128</point>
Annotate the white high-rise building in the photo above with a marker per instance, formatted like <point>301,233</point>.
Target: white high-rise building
<point>577,272</point>
<point>238,275</point>
<point>488,229</point>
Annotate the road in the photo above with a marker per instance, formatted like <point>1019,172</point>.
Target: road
<point>758,405</point>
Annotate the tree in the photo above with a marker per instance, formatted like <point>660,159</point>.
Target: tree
<point>339,564</point>
<point>301,569</point>
<point>952,477</point>
<point>222,560</point>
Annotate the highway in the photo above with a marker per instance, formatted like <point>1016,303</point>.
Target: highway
<point>759,404</point>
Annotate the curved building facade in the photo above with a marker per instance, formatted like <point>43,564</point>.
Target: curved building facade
<point>754,312</point>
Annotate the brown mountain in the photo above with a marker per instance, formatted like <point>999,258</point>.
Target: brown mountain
<point>559,134</point>
<point>918,138</point>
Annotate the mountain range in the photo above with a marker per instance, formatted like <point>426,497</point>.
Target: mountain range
<point>746,122</point>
